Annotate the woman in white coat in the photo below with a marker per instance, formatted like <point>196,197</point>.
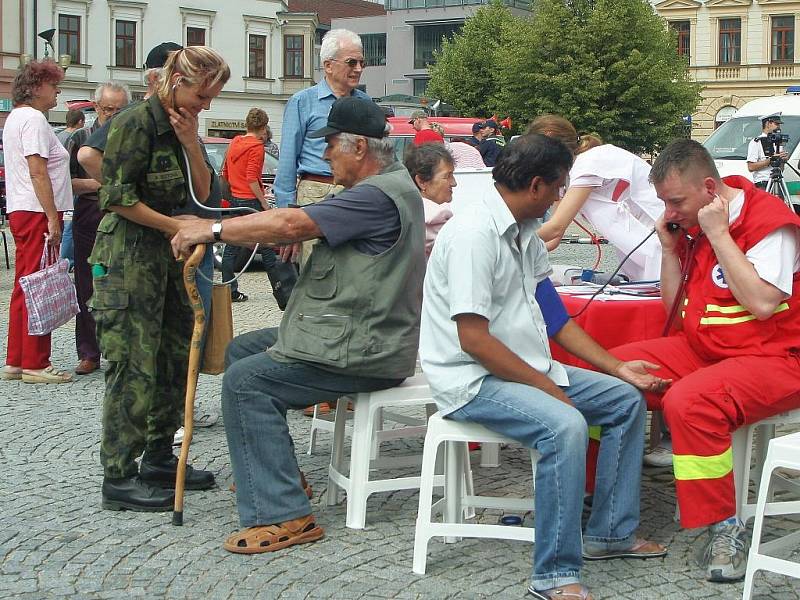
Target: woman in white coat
<point>610,188</point>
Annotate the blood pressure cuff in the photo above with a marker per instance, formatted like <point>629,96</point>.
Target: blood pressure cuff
<point>553,310</point>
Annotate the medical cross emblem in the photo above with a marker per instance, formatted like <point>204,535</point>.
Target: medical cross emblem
<point>718,277</point>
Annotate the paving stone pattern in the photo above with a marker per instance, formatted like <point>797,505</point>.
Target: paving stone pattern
<point>56,541</point>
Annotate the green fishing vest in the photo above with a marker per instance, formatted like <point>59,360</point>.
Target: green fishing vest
<point>358,313</point>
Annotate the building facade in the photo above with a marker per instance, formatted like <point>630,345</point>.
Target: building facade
<point>399,46</point>
<point>738,50</point>
<point>271,51</point>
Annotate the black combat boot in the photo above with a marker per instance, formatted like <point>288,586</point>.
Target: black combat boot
<point>131,493</point>
<point>160,468</point>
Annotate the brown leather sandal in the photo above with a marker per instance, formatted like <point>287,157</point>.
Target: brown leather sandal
<point>269,538</point>
<point>306,488</point>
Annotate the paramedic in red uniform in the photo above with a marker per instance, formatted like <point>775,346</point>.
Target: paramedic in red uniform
<point>733,354</point>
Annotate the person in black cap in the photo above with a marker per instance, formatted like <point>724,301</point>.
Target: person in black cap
<point>488,147</point>
<point>351,324</point>
<point>757,160</point>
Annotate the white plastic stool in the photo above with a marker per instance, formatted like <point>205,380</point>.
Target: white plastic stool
<point>452,505</point>
<point>742,448</point>
<point>782,452</point>
<point>368,415</point>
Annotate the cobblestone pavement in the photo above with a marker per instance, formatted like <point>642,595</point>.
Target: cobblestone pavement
<point>56,541</point>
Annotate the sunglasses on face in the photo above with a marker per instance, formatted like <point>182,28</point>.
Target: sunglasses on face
<point>352,62</point>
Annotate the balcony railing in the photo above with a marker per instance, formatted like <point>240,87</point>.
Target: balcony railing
<point>746,72</point>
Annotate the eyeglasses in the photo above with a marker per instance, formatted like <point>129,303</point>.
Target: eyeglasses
<point>107,110</point>
<point>352,62</point>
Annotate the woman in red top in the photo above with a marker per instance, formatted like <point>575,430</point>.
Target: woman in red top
<point>242,169</point>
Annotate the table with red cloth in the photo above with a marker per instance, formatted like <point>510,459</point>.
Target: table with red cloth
<point>611,322</point>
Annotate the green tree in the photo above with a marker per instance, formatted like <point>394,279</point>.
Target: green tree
<point>466,69</point>
<point>609,66</point>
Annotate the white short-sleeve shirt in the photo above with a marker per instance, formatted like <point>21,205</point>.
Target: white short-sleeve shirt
<point>755,153</point>
<point>776,258</point>
<point>25,133</point>
<point>483,263</point>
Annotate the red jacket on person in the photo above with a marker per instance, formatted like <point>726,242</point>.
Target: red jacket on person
<point>243,164</point>
<point>714,322</point>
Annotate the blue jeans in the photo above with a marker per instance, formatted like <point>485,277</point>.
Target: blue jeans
<point>560,434</point>
<point>231,252</point>
<point>67,247</point>
<point>257,391</point>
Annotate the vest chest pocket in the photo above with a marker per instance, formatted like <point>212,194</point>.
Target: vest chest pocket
<point>322,282</point>
<point>167,186</point>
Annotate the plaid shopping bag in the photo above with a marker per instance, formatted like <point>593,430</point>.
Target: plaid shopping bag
<point>49,293</point>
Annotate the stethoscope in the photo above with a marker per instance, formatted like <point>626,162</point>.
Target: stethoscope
<point>221,210</point>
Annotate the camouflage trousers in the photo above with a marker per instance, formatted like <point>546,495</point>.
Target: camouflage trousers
<point>144,326</point>
<point>311,192</point>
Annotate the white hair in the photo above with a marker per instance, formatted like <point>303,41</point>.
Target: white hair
<point>334,40</point>
<point>112,86</point>
<point>381,149</point>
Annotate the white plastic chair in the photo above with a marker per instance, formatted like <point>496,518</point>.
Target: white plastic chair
<point>367,432</point>
<point>452,506</point>
<point>743,455</point>
<point>782,452</point>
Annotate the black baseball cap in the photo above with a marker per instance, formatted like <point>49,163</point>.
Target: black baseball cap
<point>158,55</point>
<point>351,114</point>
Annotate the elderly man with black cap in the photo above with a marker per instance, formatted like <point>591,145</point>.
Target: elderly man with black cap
<point>757,160</point>
<point>351,324</point>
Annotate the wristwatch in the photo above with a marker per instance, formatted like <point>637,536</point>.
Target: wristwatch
<point>216,229</point>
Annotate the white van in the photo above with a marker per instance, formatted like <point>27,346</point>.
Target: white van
<point>728,144</point>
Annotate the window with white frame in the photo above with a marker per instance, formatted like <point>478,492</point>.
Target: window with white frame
<point>126,33</point>
<point>70,19</point>
<point>258,31</point>
<point>197,26</point>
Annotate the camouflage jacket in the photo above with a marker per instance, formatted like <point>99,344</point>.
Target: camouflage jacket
<point>143,161</point>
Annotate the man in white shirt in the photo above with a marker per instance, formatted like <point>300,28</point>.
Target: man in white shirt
<point>484,348</point>
<point>757,160</point>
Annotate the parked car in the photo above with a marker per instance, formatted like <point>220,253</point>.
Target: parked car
<point>217,148</point>
<point>728,144</point>
<point>86,107</point>
<point>403,133</point>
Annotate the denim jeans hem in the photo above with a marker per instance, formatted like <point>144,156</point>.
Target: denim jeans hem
<point>548,581</point>
<point>290,516</point>
<point>599,544</point>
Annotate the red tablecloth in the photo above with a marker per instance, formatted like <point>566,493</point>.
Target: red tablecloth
<point>613,322</point>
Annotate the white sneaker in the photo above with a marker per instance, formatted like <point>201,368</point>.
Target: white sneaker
<point>178,439</point>
<point>726,553</point>
<point>660,456</point>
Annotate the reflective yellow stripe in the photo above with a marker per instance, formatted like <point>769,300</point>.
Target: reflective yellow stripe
<point>725,320</point>
<point>725,309</point>
<point>688,466</point>
<point>733,309</point>
<point>594,432</point>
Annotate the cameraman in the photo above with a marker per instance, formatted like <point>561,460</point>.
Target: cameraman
<point>758,162</point>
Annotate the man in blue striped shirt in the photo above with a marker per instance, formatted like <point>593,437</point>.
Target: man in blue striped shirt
<point>303,177</point>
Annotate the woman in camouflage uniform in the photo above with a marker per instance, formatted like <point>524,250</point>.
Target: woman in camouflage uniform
<point>144,320</point>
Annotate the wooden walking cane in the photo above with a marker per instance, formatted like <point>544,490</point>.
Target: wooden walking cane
<point>189,272</point>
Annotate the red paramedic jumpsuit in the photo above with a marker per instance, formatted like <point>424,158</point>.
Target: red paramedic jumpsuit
<point>728,368</point>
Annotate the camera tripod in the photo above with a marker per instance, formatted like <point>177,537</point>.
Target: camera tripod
<point>776,184</point>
